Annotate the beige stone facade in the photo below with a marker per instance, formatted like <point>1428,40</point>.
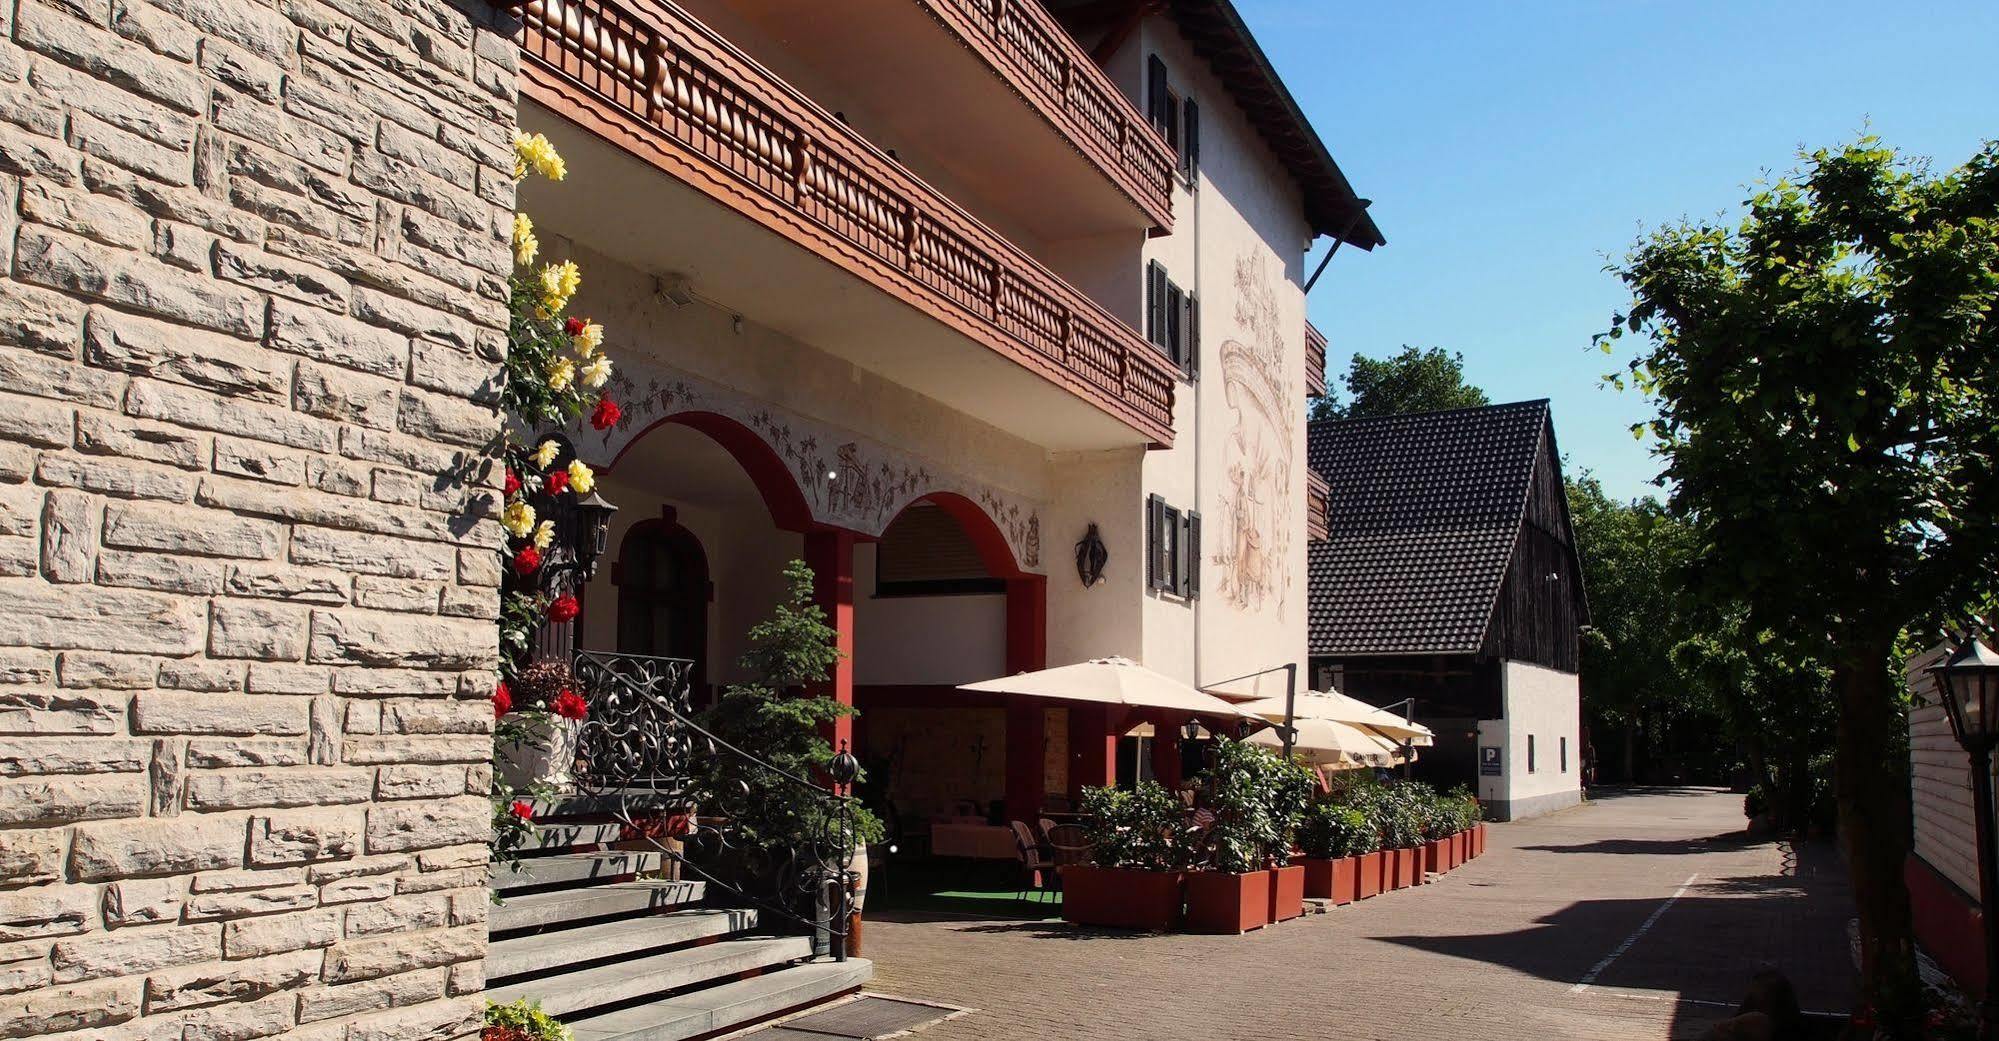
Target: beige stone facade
<point>254,260</point>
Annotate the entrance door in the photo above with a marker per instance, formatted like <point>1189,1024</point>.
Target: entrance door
<point>663,595</point>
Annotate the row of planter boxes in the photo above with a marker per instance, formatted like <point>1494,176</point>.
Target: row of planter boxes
<point>1223,902</point>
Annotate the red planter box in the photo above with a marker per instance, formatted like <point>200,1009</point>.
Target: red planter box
<point>1121,898</point>
<point>1433,856</point>
<point>1337,879</point>
<point>1460,847</point>
<point>1478,840</point>
<point>1372,872</point>
<point>1221,902</point>
<point>1287,892</point>
<point>1405,868</point>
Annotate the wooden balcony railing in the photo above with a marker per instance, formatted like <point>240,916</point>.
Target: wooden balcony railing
<point>1315,362</point>
<point>1026,46</point>
<point>646,75</point>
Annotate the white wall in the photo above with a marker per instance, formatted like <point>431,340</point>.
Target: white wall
<point>1543,704</point>
<point>924,639</point>
<point>1940,781</point>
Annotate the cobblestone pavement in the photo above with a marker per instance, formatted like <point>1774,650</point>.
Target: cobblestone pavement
<point>1639,916</point>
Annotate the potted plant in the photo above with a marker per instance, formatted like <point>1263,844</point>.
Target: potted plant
<point>1232,893</point>
<point>1137,849</point>
<point>1401,832</point>
<point>522,1020</point>
<point>1334,839</point>
<point>1288,788</point>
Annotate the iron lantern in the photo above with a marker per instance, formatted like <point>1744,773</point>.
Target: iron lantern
<point>593,530</point>
<point>1192,730</point>
<point>1969,683</point>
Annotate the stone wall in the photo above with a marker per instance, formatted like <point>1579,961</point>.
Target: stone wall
<point>254,255</point>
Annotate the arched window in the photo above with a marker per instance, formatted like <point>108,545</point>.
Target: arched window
<point>663,593</point>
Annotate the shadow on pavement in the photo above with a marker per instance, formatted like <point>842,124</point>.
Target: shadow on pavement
<point>1659,847</point>
<point>1604,794</point>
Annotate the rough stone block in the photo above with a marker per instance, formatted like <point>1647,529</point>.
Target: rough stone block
<point>296,838</point>
<point>175,529</point>
<point>177,354</point>
<point>200,985</point>
<point>278,788</point>
<point>75,265</point>
<point>248,902</point>
<point>143,901</point>
<point>47,712</point>
<point>157,572</point>
<point>129,952</point>
<point>58,800</point>
<point>36,756</point>
<point>114,478</point>
<point>100,433</point>
<point>266,632</point>
<point>258,461</point>
<point>26,914</point>
<point>69,536</point>
<point>171,712</point>
<point>369,959</point>
<point>366,638</point>
<point>100,217</point>
<point>396,828</point>
<point>90,670</point>
<point>31,856</point>
<point>198,409</point>
<point>123,849</point>
<point>51,1010</point>
<point>233,752</point>
<point>370,554</point>
<point>259,937</point>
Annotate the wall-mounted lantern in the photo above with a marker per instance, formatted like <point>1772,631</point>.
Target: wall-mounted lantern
<point>1091,556</point>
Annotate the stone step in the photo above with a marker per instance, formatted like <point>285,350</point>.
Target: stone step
<point>728,1006</point>
<point>574,867</point>
<point>550,836</point>
<point>635,978</point>
<point>562,907</point>
<point>557,949</point>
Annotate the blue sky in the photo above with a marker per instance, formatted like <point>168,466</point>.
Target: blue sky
<point>1511,147</point>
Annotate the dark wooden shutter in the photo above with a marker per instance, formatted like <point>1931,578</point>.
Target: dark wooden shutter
<point>1158,103</point>
<point>1190,140</point>
<point>1155,541</point>
<point>1155,303</point>
<point>1190,336</point>
<point>1192,578</point>
<point>1176,325</point>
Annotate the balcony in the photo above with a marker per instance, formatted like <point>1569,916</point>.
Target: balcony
<point>643,82</point>
<point>991,100</point>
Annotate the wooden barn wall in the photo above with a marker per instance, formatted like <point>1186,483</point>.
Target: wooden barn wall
<point>1536,619</point>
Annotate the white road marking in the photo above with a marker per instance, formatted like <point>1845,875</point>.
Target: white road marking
<point>1589,978</point>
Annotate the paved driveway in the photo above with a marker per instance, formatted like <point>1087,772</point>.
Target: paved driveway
<point>1639,916</point>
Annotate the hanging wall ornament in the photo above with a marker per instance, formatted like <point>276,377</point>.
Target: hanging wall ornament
<point>1091,556</point>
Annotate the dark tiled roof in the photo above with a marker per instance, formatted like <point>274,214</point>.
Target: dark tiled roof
<point>1425,510</point>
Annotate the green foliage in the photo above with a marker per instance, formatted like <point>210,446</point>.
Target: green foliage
<point>1144,829</point>
<point>1411,381</point>
<point>774,720</point>
<point>1256,796</point>
<point>1826,373</point>
<point>1331,830</point>
<point>526,1021</point>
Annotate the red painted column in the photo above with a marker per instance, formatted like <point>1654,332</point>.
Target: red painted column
<point>1026,718</point>
<point>830,555</point>
<point>1093,734</point>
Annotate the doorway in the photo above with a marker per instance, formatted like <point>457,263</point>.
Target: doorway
<point>663,596</point>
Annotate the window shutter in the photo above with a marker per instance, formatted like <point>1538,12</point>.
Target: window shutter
<point>1176,325</point>
<point>1155,537</point>
<point>1190,336</point>
<point>1190,142</point>
<point>1192,579</point>
<point>1155,303</point>
<point>1159,104</point>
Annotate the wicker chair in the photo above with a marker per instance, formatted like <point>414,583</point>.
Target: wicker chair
<point>1035,867</point>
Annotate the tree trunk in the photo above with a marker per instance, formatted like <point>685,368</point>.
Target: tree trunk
<point>1871,784</point>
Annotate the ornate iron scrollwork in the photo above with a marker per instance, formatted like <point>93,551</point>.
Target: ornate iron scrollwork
<point>645,762</point>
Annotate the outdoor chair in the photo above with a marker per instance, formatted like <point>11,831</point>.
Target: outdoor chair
<point>1035,867</point>
<point>1068,844</point>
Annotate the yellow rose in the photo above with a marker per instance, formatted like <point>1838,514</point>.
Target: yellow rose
<point>517,518</point>
<point>525,244</point>
<point>591,338</point>
<point>544,534</point>
<point>534,152</point>
<point>561,373</point>
<point>546,452</point>
<point>558,283</point>
<point>581,477</point>
<point>596,372</point>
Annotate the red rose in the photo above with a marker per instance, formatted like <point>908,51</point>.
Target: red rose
<point>607,413</point>
<point>513,482</point>
<point>570,705</point>
<point>564,609</point>
<point>503,700</point>
<point>527,560</point>
<point>558,482</point>
<point>574,326</point>
<point>524,810</point>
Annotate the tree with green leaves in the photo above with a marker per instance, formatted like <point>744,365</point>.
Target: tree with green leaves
<point>1411,381</point>
<point>1826,373</point>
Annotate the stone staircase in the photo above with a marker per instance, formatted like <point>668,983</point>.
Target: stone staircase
<point>621,954</point>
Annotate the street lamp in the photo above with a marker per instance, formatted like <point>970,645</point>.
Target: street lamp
<point>1969,683</point>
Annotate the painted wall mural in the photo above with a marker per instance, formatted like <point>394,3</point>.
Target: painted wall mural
<point>1253,550</point>
<point>847,480</point>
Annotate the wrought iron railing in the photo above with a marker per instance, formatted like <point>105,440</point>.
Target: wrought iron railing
<point>667,781</point>
<point>651,78</point>
<point>1025,44</point>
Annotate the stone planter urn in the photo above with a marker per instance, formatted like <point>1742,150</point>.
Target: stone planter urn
<point>548,757</point>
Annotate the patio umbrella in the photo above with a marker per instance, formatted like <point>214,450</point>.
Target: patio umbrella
<point>1326,742</point>
<point>1340,708</point>
<point>1114,681</point>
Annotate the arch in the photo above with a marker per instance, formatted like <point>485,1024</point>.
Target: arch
<point>662,566</point>
<point>766,469</point>
<point>991,542</point>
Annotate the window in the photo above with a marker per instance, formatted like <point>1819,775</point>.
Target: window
<point>1173,549</point>
<point>1565,754</point>
<point>925,552</point>
<point>1176,118</point>
<point>1172,320</point>
<point>1530,753</point>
